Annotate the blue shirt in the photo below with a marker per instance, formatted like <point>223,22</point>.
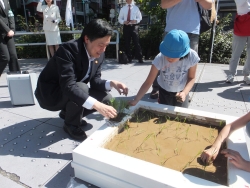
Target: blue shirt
<point>183,16</point>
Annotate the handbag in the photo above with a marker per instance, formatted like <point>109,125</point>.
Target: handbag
<point>205,23</point>
<point>123,59</point>
<point>242,25</point>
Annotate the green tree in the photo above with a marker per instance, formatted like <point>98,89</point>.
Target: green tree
<point>153,9</point>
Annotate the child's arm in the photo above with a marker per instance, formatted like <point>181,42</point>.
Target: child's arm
<point>211,153</point>
<point>190,82</point>
<point>146,85</point>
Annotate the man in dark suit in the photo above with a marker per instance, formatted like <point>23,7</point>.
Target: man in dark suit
<point>62,85</point>
<point>7,45</point>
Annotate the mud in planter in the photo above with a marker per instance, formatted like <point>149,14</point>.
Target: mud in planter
<point>175,142</point>
<point>157,146</point>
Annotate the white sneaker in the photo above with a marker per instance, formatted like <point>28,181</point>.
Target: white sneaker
<point>230,78</point>
<point>247,79</point>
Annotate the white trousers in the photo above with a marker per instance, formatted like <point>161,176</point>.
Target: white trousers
<point>238,45</point>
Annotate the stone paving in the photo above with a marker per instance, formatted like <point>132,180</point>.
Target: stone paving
<point>36,152</point>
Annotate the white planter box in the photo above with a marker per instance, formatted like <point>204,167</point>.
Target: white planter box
<point>106,168</point>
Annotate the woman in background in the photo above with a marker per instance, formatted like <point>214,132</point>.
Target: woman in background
<point>51,18</point>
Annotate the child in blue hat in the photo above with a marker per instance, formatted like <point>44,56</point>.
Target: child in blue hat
<point>177,64</point>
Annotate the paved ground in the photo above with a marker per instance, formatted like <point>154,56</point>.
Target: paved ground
<point>36,152</point>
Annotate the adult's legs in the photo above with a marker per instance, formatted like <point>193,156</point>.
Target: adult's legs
<point>56,47</point>
<point>127,30</point>
<point>194,41</point>
<point>51,50</point>
<point>4,55</point>
<point>13,63</point>
<point>238,45</point>
<point>246,69</point>
<point>8,54</point>
<point>135,38</point>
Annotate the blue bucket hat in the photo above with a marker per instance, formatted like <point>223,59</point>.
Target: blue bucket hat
<point>175,44</point>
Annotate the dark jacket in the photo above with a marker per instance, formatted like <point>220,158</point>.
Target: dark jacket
<point>7,21</point>
<point>68,66</point>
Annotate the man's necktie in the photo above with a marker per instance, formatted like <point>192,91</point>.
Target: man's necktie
<point>128,18</point>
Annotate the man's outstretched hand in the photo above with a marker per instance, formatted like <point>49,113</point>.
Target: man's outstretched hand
<point>120,87</point>
<point>105,110</point>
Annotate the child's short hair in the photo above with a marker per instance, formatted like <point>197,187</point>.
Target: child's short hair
<point>176,44</point>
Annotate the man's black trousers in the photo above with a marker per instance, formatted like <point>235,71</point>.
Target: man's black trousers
<point>73,112</point>
<point>8,54</point>
<point>132,32</point>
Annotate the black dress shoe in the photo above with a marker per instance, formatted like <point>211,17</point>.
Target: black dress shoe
<point>62,116</point>
<point>141,61</point>
<point>75,132</point>
<point>154,94</point>
<point>25,72</point>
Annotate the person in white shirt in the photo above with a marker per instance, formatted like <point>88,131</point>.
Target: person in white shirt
<point>51,18</point>
<point>130,17</point>
<point>177,64</point>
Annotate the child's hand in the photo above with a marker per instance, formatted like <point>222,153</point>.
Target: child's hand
<point>236,159</point>
<point>180,97</point>
<point>209,155</point>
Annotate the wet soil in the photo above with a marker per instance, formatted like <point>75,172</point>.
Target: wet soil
<point>171,142</point>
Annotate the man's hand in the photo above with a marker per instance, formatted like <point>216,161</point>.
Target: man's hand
<point>120,87</point>
<point>105,110</point>
<point>126,22</point>
<point>133,21</point>
<point>10,33</point>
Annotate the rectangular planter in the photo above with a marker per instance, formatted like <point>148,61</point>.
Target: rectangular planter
<point>106,168</point>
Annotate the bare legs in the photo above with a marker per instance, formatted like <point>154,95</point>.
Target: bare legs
<point>53,49</point>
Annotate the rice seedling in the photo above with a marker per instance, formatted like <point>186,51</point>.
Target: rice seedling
<point>189,162</point>
<point>139,148</point>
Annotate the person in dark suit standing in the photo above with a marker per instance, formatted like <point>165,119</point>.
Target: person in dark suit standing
<point>7,45</point>
<point>130,17</point>
<point>62,84</point>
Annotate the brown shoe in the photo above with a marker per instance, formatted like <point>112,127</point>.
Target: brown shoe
<point>154,94</point>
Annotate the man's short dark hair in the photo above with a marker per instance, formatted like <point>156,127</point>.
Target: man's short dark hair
<point>97,28</point>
